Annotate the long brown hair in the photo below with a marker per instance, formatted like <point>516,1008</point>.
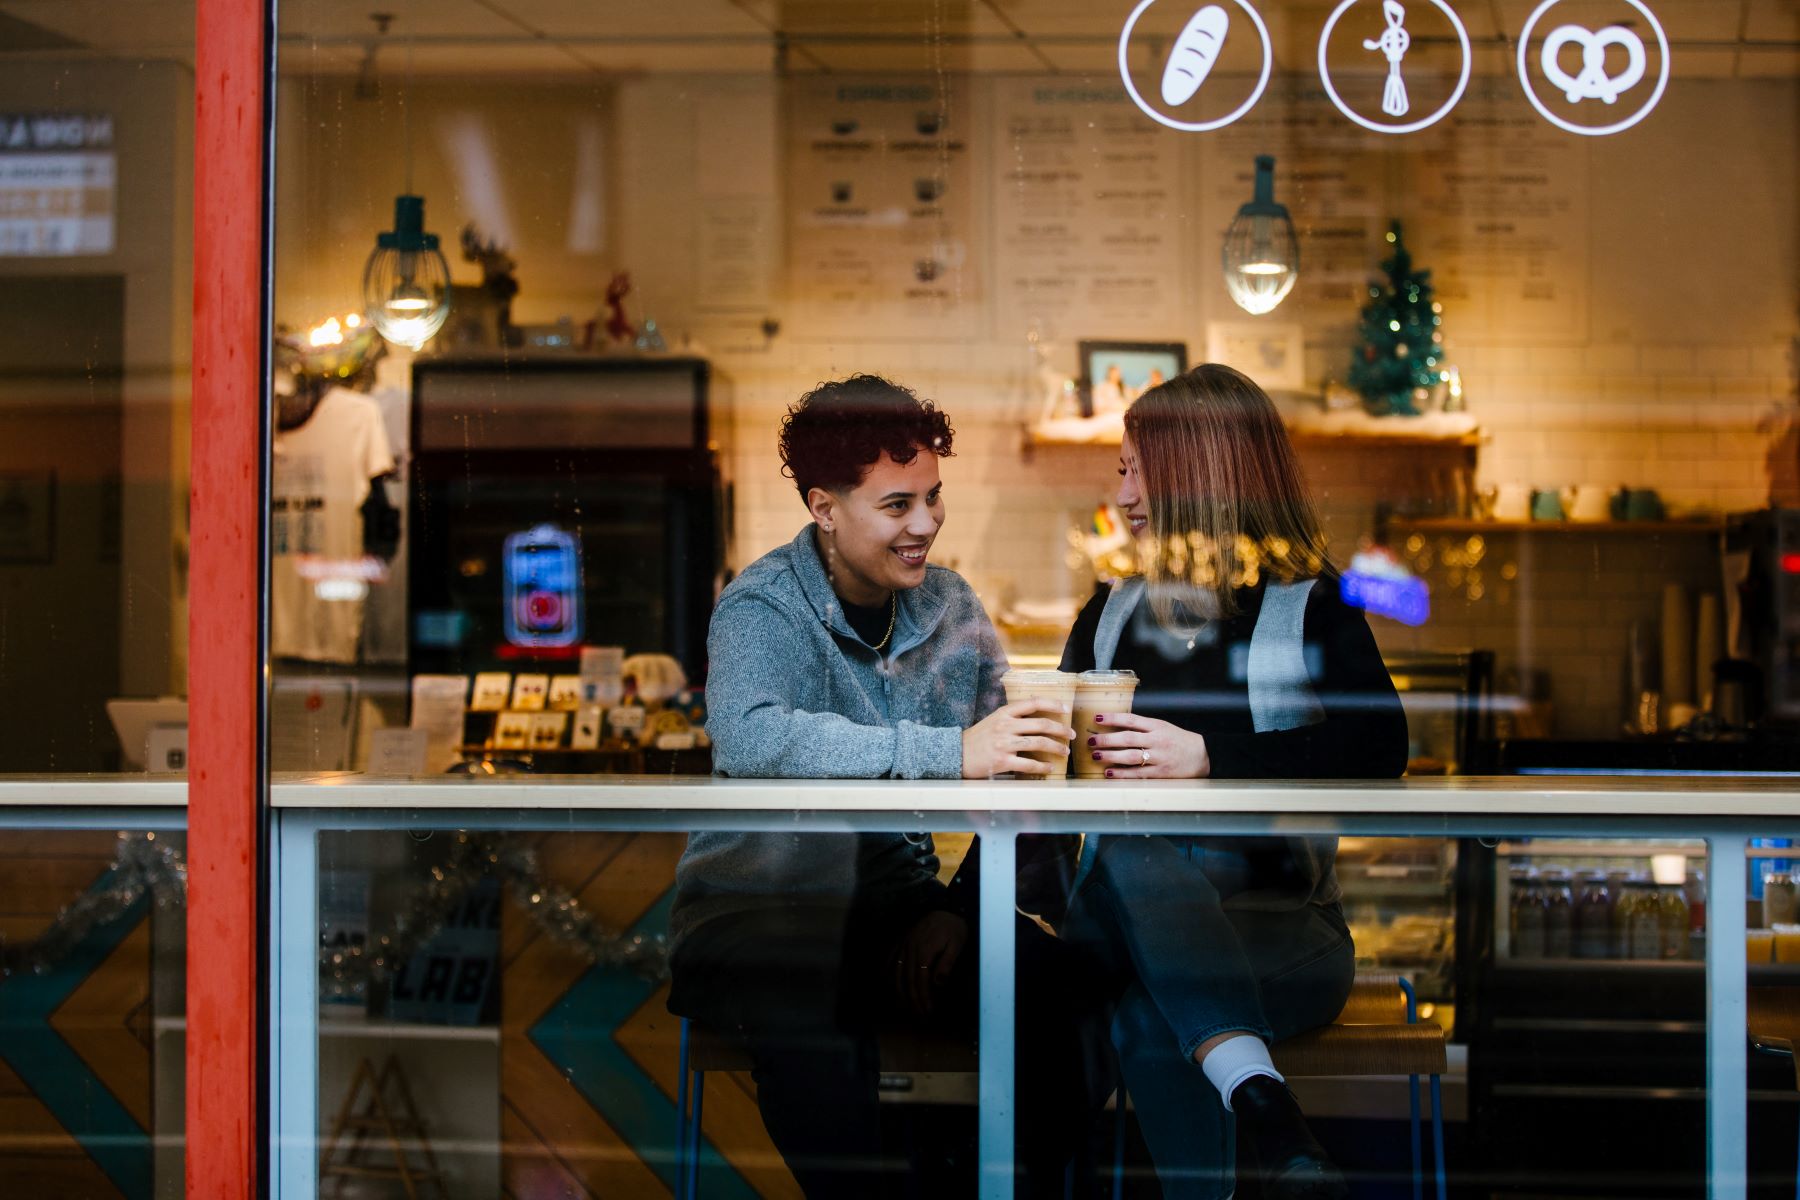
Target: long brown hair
<point>1226,501</point>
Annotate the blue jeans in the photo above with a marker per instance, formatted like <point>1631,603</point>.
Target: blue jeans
<point>1186,968</point>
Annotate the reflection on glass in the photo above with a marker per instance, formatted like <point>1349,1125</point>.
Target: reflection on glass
<point>96,149</point>
<point>92,998</point>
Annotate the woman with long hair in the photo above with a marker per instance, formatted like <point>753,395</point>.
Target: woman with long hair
<point>1250,665</point>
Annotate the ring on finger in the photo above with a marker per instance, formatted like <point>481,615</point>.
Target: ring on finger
<point>1146,756</point>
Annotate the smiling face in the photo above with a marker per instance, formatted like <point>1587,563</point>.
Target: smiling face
<point>876,535</point>
<point>1131,489</point>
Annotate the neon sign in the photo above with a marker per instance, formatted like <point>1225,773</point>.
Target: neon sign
<point>1378,584</point>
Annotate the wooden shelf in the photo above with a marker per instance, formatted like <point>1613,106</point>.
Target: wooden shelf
<point>1470,525</point>
<point>1036,437</point>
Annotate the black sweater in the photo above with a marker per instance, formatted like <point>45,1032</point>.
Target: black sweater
<point>1206,689</point>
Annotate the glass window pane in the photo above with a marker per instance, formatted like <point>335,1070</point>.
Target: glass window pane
<point>1360,376</point>
<point>93,946</point>
<point>96,162</point>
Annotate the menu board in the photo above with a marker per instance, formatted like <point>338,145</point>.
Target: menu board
<point>1331,175</point>
<point>58,185</point>
<point>881,208</point>
<point>1500,199</point>
<point>1087,195</point>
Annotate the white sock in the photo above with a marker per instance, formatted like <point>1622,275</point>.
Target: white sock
<point>1236,1059</point>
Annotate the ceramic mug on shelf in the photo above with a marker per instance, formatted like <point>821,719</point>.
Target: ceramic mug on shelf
<point>1512,502</point>
<point>1546,505</point>
<point>1637,504</point>
<point>1587,502</point>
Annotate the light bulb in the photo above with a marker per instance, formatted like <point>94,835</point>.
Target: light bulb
<point>406,284</point>
<point>1261,255</point>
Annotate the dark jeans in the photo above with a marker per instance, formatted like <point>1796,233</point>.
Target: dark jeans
<point>805,990</point>
<point>1184,969</point>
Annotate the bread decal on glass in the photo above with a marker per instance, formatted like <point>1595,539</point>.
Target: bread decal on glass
<point>1195,52</point>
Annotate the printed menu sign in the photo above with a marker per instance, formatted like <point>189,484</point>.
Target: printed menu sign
<point>58,180</point>
<point>1500,201</point>
<point>1086,202</point>
<point>880,209</point>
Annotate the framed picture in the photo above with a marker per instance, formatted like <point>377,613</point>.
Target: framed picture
<point>1117,373</point>
<point>1273,355</point>
<point>27,517</point>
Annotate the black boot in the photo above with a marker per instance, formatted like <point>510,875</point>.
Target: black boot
<point>1293,1164</point>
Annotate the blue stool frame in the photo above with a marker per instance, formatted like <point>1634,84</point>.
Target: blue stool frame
<point>687,1129</point>
<point>1121,1101</point>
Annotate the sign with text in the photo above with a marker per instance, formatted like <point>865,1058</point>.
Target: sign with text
<point>58,185</point>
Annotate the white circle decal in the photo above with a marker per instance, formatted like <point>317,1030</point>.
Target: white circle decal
<point>1192,58</point>
<point>1593,83</point>
<point>1393,45</point>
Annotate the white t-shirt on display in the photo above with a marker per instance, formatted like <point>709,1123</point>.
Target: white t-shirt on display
<point>318,574</point>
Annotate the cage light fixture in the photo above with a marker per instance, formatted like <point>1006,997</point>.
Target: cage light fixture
<point>1261,255</point>
<point>406,283</point>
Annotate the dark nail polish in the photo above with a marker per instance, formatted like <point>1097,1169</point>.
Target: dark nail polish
<point>1109,774</point>
<point>1093,741</point>
<point>1099,719</point>
<point>1096,756</point>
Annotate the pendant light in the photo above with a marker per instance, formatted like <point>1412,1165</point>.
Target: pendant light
<point>406,282</point>
<point>1261,254</point>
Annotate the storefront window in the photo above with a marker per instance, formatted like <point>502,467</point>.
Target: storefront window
<point>96,247</point>
<point>1362,379</point>
<point>96,161</point>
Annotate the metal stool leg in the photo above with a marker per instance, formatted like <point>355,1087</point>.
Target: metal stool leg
<point>1437,1136</point>
<point>693,1189</point>
<point>681,1112</point>
<point>1119,1107</point>
<point>1412,1101</point>
<point>1418,1152</point>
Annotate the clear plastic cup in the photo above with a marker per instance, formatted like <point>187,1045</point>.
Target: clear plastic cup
<point>1055,691</point>
<point>1098,692</point>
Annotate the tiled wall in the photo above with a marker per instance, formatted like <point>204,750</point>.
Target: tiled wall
<point>1611,415</point>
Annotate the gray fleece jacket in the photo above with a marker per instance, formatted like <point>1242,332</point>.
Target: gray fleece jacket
<point>792,692</point>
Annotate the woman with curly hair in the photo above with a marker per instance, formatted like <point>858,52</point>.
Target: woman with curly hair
<point>1250,664</point>
<point>844,654</point>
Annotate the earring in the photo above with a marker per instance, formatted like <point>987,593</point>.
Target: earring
<point>826,528</point>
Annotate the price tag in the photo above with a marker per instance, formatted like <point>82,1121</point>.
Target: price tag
<point>627,721</point>
<point>398,751</point>
<point>529,692</point>
<point>491,690</point>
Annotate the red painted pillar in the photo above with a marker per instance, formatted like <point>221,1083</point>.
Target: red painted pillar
<point>226,779</point>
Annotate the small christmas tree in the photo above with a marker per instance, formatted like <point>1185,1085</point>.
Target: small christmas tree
<point>1402,351</point>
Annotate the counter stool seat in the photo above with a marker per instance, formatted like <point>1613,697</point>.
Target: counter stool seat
<point>903,1052</point>
<point>1775,1029</point>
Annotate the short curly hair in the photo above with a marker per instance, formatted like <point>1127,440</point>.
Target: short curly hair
<point>837,431</point>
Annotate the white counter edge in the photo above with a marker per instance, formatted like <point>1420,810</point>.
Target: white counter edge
<point>1575,796</point>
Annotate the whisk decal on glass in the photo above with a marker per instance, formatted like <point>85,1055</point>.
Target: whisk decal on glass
<point>1394,43</point>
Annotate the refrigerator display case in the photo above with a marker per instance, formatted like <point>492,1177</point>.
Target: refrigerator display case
<point>559,501</point>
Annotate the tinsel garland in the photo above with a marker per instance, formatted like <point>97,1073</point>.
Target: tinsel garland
<point>146,865</point>
<point>143,865</point>
<point>347,972</point>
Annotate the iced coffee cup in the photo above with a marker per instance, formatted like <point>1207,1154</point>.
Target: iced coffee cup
<point>1098,692</point>
<point>1055,690</point>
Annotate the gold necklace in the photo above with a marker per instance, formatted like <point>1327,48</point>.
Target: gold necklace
<point>893,613</point>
